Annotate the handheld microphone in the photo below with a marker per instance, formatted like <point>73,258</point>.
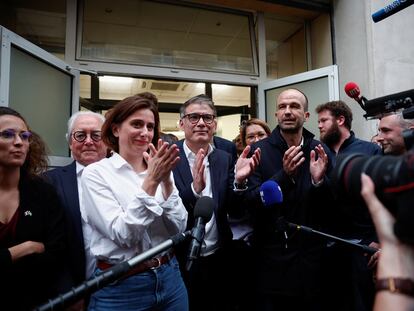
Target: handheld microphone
<point>270,193</point>
<point>203,210</point>
<point>391,9</point>
<point>352,90</point>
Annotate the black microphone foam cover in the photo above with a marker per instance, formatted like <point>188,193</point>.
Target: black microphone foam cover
<point>204,208</point>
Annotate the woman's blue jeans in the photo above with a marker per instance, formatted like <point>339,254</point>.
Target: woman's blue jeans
<point>156,289</point>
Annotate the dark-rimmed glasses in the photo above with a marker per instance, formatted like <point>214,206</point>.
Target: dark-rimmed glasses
<point>80,136</point>
<point>10,134</point>
<point>195,117</point>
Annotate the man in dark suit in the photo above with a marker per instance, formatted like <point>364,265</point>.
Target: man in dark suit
<point>207,171</point>
<point>85,143</point>
<point>226,145</point>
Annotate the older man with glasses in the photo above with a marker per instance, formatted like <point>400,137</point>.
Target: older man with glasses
<point>86,145</point>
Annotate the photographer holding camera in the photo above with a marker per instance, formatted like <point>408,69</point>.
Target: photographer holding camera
<point>396,261</point>
<point>393,176</point>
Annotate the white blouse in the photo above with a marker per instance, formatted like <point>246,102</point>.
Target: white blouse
<point>126,221</point>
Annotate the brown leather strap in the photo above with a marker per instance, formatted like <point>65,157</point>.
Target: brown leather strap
<point>396,285</point>
<point>152,263</point>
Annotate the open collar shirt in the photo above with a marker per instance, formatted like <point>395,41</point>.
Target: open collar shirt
<point>126,221</point>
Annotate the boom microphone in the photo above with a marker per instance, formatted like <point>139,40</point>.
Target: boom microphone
<point>352,90</point>
<point>271,193</point>
<point>391,9</point>
<point>203,211</point>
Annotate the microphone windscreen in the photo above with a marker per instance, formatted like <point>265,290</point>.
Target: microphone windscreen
<point>204,208</point>
<point>352,90</point>
<point>271,193</point>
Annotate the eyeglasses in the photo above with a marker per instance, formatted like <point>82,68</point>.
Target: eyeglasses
<point>80,136</point>
<point>195,117</point>
<point>259,135</point>
<point>10,134</point>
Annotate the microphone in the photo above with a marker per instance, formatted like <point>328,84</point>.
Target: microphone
<point>365,248</point>
<point>352,90</point>
<point>270,193</point>
<point>391,9</point>
<point>203,211</point>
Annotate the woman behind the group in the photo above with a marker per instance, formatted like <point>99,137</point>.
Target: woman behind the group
<point>254,130</point>
<point>251,131</point>
<point>31,218</point>
<point>132,203</point>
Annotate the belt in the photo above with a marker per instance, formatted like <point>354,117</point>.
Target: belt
<point>146,265</point>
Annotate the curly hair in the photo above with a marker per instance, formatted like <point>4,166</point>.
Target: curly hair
<point>337,108</point>
<point>36,160</point>
<point>252,121</point>
<point>122,110</point>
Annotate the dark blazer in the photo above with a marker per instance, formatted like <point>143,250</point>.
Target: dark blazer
<point>222,177</point>
<point>32,279</point>
<point>226,145</point>
<point>65,181</point>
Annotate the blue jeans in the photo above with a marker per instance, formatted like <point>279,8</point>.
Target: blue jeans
<point>156,289</point>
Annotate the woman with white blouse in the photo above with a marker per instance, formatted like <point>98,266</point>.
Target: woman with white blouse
<point>132,204</point>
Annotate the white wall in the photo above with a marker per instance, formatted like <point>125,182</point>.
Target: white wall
<point>377,56</point>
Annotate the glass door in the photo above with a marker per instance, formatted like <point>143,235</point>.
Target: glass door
<point>320,86</point>
<point>41,87</point>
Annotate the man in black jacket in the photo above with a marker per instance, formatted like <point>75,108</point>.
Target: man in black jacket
<point>347,268</point>
<point>288,262</point>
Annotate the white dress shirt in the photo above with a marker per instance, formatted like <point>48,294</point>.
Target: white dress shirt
<point>90,264</point>
<point>126,221</point>
<point>210,241</point>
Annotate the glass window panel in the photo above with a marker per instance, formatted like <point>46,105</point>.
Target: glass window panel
<point>317,92</point>
<point>167,35</point>
<point>285,46</point>
<point>85,86</point>
<point>231,96</point>
<point>43,95</point>
<point>42,22</point>
<point>117,88</point>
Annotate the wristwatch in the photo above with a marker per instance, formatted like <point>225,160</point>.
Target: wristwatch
<point>396,285</point>
<point>242,186</point>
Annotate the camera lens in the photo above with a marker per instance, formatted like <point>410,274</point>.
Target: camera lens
<point>385,171</point>
<point>394,185</point>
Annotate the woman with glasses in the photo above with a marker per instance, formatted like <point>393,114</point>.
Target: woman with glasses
<point>31,218</point>
<point>253,130</point>
<point>133,205</point>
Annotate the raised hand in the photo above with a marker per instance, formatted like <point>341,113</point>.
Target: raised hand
<point>199,180</point>
<point>246,166</point>
<point>318,167</point>
<point>160,162</point>
<point>292,159</point>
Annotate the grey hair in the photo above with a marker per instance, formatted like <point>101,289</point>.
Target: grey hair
<point>199,99</point>
<point>405,123</point>
<point>76,115</point>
